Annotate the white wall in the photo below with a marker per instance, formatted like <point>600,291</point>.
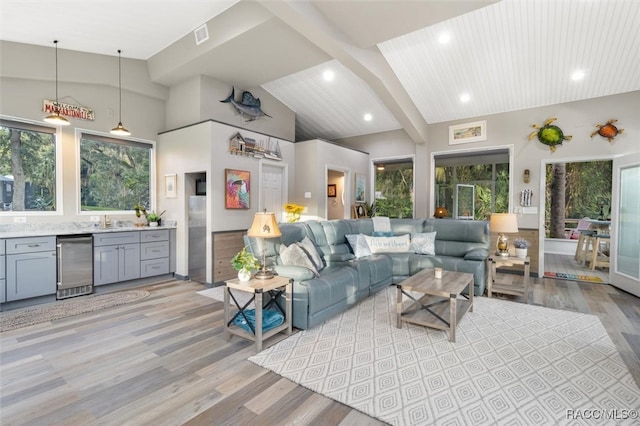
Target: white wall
<point>204,147</point>
<point>513,128</point>
<point>27,76</point>
<point>577,119</point>
<point>314,159</point>
<point>199,99</point>
<point>394,144</point>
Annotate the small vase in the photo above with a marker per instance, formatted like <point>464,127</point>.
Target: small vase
<point>521,252</point>
<point>244,275</point>
<point>153,224</point>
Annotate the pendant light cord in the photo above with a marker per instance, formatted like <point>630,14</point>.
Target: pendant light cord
<point>120,85</point>
<point>57,102</point>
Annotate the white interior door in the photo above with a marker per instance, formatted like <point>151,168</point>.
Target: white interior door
<point>624,270</point>
<point>273,190</point>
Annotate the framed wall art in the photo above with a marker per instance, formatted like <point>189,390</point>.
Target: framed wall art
<point>237,189</point>
<point>361,188</point>
<point>170,190</point>
<point>468,132</point>
<point>331,190</point>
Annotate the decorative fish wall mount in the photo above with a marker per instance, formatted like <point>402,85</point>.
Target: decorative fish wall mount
<point>249,105</point>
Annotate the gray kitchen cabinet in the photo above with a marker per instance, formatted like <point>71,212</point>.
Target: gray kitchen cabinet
<point>154,253</point>
<point>30,267</point>
<point>116,257</point>
<point>3,281</point>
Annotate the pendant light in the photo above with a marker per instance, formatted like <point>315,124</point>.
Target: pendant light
<point>56,118</point>
<point>120,129</point>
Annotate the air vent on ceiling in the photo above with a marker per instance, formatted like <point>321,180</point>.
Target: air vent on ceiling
<point>202,34</point>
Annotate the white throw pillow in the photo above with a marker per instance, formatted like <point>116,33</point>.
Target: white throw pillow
<point>423,243</point>
<point>399,244</point>
<point>307,245</point>
<point>294,255</point>
<point>358,245</point>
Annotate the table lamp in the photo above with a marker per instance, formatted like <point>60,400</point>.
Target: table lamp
<point>264,226</point>
<point>503,223</point>
<point>440,212</point>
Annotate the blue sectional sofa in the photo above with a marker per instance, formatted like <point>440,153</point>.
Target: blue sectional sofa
<point>339,279</point>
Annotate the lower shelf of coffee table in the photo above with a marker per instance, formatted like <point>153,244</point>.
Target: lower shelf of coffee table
<point>415,315</point>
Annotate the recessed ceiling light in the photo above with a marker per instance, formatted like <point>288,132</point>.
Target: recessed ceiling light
<point>465,97</point>
<point>444,38</point>
<point>368,117</point>
<point>328,75</point>
<point>577,75</point>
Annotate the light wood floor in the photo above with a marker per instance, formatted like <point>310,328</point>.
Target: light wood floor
<point>569,265</point>
<point>164,361</point>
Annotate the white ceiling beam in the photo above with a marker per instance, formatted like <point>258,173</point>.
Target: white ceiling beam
<point>368,64</point>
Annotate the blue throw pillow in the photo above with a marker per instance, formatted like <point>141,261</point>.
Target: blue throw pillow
<point>270,319</point>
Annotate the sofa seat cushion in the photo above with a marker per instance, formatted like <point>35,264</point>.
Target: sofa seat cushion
<point>400,263</point>
<point>379,268</point>
<point>336,284</point>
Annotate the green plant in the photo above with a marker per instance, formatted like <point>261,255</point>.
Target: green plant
<point>154,217</point>
<point>244,260</point>
<point>140,210</point>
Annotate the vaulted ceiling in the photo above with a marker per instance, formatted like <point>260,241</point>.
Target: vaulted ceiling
<point>406,63</point>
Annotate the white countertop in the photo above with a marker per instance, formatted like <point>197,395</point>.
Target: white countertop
<point>58,230</point>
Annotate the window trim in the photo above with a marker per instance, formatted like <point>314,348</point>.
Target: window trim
<point>472,151</point>
<point>392,159</point>
<point>107,137</point>
<point>59,196</point>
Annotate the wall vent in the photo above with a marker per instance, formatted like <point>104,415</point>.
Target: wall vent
<point>202,34</point>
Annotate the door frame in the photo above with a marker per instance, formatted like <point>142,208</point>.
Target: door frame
<point>543,201</point>
<point>619,280</point>
<point>346,193</point>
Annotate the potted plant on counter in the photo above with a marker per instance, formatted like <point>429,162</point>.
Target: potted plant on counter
<point>154,218</point>
<point>521,246</point>
<point>244,262</point>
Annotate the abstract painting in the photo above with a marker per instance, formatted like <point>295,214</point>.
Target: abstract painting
<point>237,189</point>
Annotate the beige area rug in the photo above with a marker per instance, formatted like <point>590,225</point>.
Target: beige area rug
<point>66,308</point>
<point>512,364</point>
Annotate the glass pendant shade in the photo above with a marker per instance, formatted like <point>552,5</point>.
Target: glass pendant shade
<point>56,118</point>
<point>120,130</point>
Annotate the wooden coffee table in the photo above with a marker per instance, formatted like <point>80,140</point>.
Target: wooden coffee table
<point>439,301</point>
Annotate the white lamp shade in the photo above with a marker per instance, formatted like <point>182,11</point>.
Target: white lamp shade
<point>503,223</point>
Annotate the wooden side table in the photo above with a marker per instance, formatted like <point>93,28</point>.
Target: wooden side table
<point>516,290</point>
<point>257,288</point>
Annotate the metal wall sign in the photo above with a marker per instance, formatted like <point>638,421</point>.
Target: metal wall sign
<point>68,110</point>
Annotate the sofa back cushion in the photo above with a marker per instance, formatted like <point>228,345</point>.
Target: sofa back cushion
<point>335,232</point>
<point>407,226</point>
<point>457,237</point>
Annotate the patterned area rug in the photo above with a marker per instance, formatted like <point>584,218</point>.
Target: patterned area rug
<point>511,364</point>
<point>573,277</point>
<point>66,308</point>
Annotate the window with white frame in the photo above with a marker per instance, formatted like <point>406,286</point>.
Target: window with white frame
<point>28,173</point>
<point>115,174</point>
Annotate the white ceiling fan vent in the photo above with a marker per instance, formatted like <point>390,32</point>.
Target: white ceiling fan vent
<point>202,34</point>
